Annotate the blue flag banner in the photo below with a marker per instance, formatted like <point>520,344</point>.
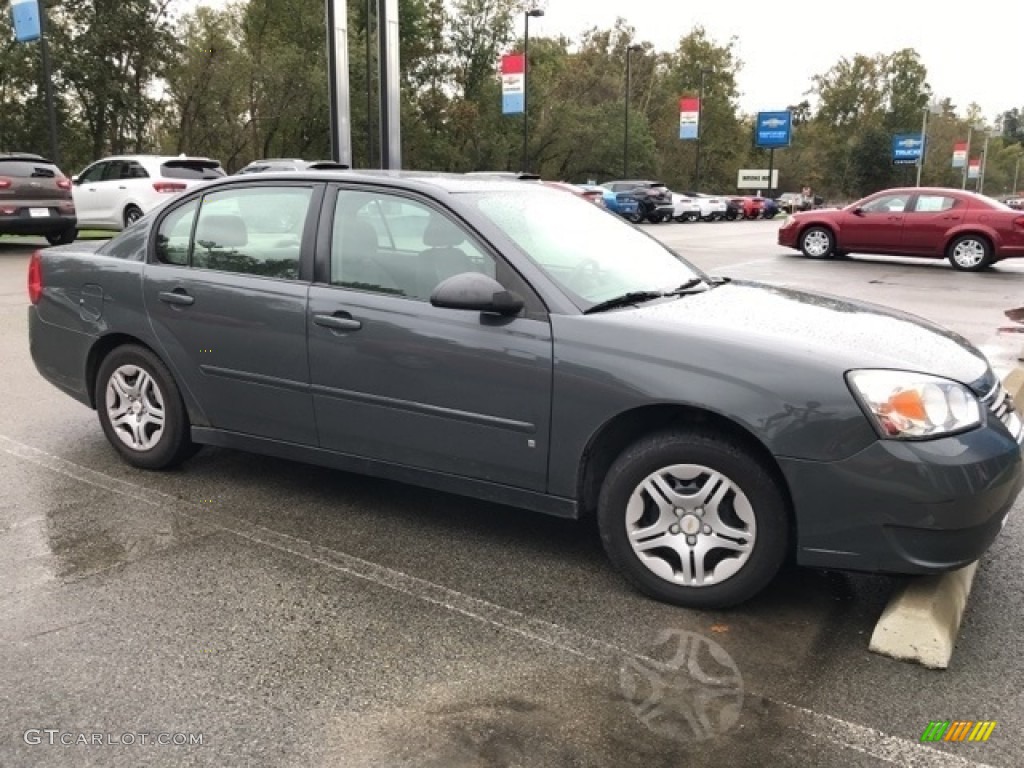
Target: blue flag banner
<point>25,17</point>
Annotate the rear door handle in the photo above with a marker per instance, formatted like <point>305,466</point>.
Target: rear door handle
<point>177,296</point>
<point>339,321</point>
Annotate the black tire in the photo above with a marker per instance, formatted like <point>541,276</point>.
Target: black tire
<point>656,218</point>
<point>680,218</point>
<point>963,251</point>
<point>174,445</point>
<point>132,213</point>
<point>635,218</point>
<point>64,237</point>
<point>817,242</point>
<point>746,473</point>
<point>770,214</point>
<point>693,216</point>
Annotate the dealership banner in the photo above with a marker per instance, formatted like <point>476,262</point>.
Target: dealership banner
<point>974,168</point>
<point>689,117</point>
<point>513,83</point>
<point>25,20</point>
<point>773,129</point>
<point>960,154</point>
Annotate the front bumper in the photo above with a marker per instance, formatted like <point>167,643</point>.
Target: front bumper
<point>907,507</point>
<point>787,235</point>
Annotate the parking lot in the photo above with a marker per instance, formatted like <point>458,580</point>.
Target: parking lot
<point>287,615</point>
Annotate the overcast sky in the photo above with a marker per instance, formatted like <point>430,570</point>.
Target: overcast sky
<point>978,57</point>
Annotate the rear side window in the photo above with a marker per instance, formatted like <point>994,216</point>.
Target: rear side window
<point>26,169</point>
<point>196,170</point>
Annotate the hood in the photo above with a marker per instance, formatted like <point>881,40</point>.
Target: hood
<point>849,334</point>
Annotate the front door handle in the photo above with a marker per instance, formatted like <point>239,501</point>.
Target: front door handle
<point>177,296</point>
<point>339,321</point>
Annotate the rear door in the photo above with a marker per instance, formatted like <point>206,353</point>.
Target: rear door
<point>226,292</point>
<point>927,221</point>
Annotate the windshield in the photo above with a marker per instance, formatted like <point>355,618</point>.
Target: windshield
<point>592,254</point>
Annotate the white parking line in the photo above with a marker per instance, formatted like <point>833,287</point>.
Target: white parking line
<point>868,741</point>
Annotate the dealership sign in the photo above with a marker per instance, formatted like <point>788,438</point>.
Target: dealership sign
<point>756,179</point>
<point>689,118</point>
<point>960,154</point>
<point>513,83</point>
<point>974,168</point>
<point>907,148</point>
<point>773,130</point>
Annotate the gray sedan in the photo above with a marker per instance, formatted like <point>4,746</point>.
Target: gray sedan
<point>520,345</point>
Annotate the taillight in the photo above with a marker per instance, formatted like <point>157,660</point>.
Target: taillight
<point>169,186</point>
<point>5,183</point>
<point>1019,222</point>
<point>63,184</point>
<point>35,277</point>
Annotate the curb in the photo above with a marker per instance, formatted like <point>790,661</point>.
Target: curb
<point>922,620</point>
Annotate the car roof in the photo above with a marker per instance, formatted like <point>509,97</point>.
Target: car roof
<point>159,158</point>
<point>22,156</point>
<point>426,181</point>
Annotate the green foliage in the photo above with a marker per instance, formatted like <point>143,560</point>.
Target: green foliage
<point>250,80</point>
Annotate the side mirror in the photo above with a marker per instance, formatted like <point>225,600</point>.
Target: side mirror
<point>477,292</point>
<point>858,211</point>
<point>74,179</point>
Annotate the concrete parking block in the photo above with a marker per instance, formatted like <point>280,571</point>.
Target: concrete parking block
<point>921,621</point>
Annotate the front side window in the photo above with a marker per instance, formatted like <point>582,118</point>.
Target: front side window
<point>389,244</point>
<point>175,235</point>
<point>887,204</point>
<point>94,173</point>
<point>592,254</point>
<point>255,231</point>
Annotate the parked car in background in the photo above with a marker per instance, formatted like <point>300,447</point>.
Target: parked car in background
<point>622,203</point>
<point>1017,203</point>
<point>590,196</point>
<point>751,207</point>
<point>971,230</point>
<point>521,346</point>
<point>117,191</point>
<point>712,207</point>
<point>684,208</point>
<point>289,164</point>
<point>655,198</point>
<point>771,208</point>
<point>35,199</point>
<point>789,202</point>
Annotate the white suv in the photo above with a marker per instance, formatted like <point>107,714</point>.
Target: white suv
<point>116,191</point>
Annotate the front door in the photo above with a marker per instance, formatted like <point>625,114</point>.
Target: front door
<point>877,227</point>
<point>399,380</point>
<point>226,294</point>
<point>931,216</point>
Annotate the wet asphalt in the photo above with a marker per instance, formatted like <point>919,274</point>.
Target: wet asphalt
<point>275,614</point>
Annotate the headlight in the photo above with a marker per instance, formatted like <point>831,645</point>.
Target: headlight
<point>907,405</point>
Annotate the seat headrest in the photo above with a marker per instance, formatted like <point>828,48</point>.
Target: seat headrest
<point>222,231</point>
<point>441,233</point>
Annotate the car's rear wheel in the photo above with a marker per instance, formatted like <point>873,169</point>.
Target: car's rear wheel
<point>64,237</point>
<point>693,216</point>
<point>141,410</point>
<point>636,217</point>
<point>132,213</point>
<point>969,253</point>
<point>817,243</point>
<point>693,519</point>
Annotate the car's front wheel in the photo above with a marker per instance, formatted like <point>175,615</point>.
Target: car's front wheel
<point>970,253</point>
<point>693,519</point>
<point>141,410</point>
<point>817,243</point>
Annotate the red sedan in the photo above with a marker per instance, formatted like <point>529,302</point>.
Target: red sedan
<point>971,230</point>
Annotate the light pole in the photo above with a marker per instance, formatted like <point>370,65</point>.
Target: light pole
<point>924,145</point>
<point>967,159</point>
<point>1016,176</point>
<point>625,134</point>
<point>700,130</point>
<point>532,13</point>
<point>51,110</point>
<point>984,162</point>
